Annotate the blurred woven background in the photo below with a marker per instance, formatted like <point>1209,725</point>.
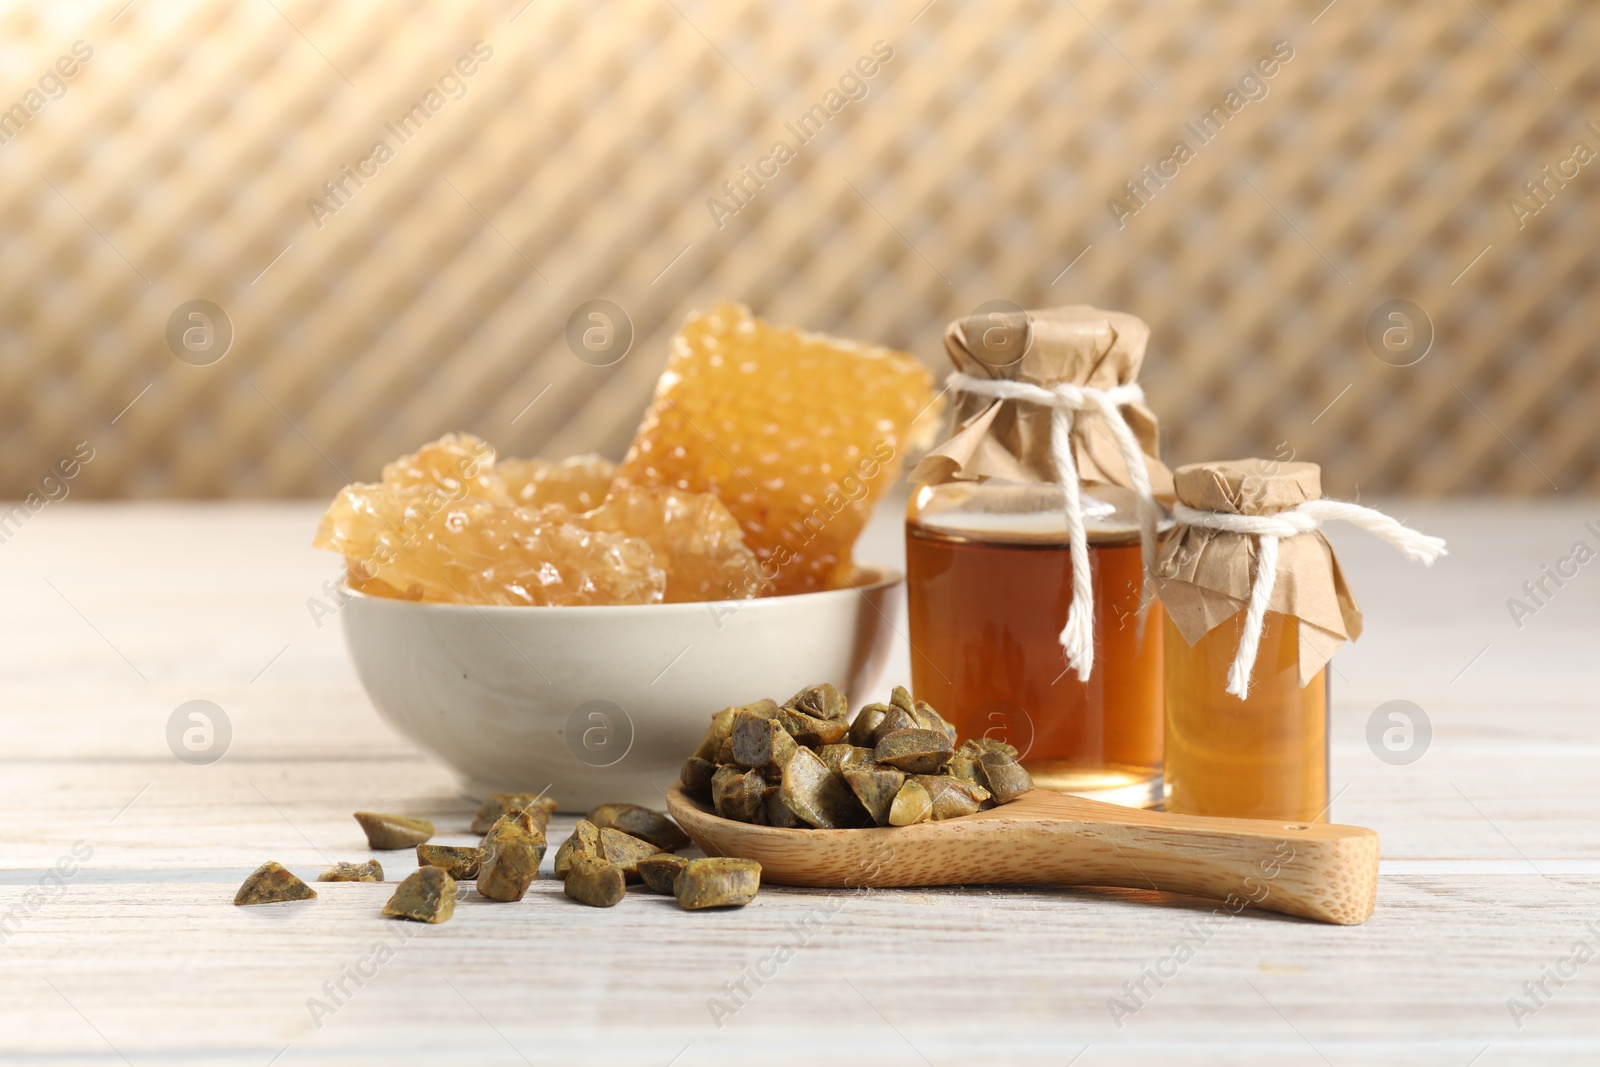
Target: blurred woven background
<point>177,162</point>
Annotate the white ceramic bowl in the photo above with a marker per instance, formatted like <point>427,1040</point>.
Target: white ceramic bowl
<point>602,704</point>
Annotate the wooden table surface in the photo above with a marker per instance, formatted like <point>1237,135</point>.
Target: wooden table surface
<point>116,614</point>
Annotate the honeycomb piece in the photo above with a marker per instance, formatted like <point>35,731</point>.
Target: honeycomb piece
<point>693,538</point>
<point>416,544</point>
<point>457,463</point>
<point>578,483</point>
<point>797,433</point>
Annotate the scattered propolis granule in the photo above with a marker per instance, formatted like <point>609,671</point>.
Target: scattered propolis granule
<point>693,538</point>
<point>418,544</point>
<point>370,871</point>
<point>797,433</point>
<point>393,831</point>
<point>270,883</point>
<point>577,483</point>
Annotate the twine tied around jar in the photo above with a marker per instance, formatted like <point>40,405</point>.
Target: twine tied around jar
<point>1065,401</point>
<point>1292,522</point>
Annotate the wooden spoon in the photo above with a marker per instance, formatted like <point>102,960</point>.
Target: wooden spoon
<point>1316,870</point>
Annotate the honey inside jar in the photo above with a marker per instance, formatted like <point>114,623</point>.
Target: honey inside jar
<point>1265,756</point>
<point>987,596</point>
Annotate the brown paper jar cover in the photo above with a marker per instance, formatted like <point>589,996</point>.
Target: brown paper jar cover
<point>1204,575</point>
<point>1076,345</point>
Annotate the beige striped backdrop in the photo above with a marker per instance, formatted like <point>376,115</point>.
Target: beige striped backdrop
<point>576,159</point>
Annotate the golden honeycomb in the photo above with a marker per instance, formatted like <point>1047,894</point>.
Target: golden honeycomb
<point>694,539</point>
<point>448,523</point>
<point>798,433</point>
<point>418,544</point>
<point>458,463</point>
<point>578,483</point>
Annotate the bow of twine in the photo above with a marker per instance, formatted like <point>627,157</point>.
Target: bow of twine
<point>1292,522</point>
<point>1065,402</point>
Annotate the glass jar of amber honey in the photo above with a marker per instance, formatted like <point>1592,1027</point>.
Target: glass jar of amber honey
<point>989,584</point>
<point>1263,757</point>
<point>1255,607</point>
<point>1026,546</point>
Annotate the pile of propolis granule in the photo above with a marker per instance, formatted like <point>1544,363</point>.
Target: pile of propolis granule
<point>753,473</point>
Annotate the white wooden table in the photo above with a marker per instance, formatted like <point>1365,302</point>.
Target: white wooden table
<point>116,614</point>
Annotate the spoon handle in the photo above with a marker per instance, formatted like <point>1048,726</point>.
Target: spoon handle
<point>1314,870</point>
